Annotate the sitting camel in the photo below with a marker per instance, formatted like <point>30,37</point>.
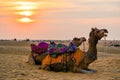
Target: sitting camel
<point>79,60</point>
<point>35,58</point>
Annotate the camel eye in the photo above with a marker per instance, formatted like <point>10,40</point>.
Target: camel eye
<point>75,39</point>
<point>98,31</point>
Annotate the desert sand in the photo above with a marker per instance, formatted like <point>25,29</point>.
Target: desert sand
<point>13,66</point>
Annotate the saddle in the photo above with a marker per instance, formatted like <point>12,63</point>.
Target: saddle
<point>54,50</point>
<point>57,50</point>
<point>41,48</point>
<point>76,57</point>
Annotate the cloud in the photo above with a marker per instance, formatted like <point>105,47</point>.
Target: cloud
<point>94,1</point>
<point>102,21</point>
<point>94,5</point>
<point>4,16</point>
<point>86,9</point>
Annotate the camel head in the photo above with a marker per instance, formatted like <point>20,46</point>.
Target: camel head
<point>77,41</point>
<point>98,33</point>
<point>32,45</point>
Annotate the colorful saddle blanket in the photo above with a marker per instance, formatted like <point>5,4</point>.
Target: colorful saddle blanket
<point>78,55</point>
<point>41,48</point>
<point>53,49</point>
<point>71,48</point>
<point>56,50</point>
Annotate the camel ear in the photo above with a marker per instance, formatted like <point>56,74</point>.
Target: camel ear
<point>92,29</point>
<point>74,38</point>
<point>96,28</point>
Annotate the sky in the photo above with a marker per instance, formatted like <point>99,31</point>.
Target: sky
<point>58,19</point>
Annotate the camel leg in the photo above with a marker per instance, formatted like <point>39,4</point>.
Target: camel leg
<point>92,70</point>
<point>87,69</point>
<point>30,59</point>
<point>46,67</point>
<point>78,70</point>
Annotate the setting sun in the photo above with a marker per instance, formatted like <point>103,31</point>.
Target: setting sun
<point>25,5</point>
<point>25,20</point>
<point>25,13</point>
<point>25,10</point>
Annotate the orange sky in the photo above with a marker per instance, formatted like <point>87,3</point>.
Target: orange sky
<point>58,19</point>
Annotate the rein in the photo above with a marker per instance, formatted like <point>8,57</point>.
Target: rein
<point>92,56</point>
<point>105,44</point>
<point>105,50</point>
<point>83,46</point>
<point>65,61</point>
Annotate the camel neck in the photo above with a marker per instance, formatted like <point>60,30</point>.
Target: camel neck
<point>92,45</point>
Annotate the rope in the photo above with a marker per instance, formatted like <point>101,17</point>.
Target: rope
<point>65,62</point>
<point>105,51</point>
<point>105,44</point>
<point>83,46</point>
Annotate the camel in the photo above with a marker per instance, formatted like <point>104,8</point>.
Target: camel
<point>78,61</point>
<point>38,59</point>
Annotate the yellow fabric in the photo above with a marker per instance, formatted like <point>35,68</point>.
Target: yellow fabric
<point>78,55</point>
<point>46,61</point>
<point>49,60</point>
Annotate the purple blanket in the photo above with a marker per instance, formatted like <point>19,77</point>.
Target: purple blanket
<point>42,47</point>
<point>51,48</point>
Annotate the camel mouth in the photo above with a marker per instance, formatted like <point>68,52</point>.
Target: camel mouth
<point>84,40</point>
<point>105,34</point>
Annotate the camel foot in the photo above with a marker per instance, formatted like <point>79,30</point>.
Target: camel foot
<point>93,70</point>
<point>31,61</point>
<point>40,67</point>
<point>27,62</point>
<point>90,71</point>
<point>47,68</point>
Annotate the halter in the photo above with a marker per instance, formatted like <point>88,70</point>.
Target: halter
<point>105,44</point>
<point>92,56</point>
<point>83,46</point>
<point>105,50</point>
